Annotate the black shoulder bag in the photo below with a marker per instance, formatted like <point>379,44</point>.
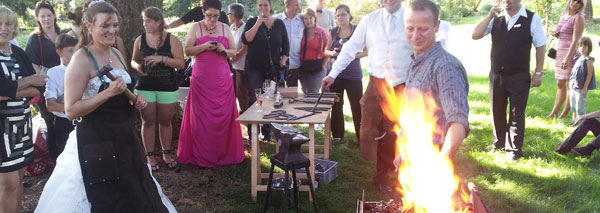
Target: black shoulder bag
<point>275,72</point>
<point>309,66</point>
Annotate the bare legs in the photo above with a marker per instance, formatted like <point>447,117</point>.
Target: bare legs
<point>161,113</point>
<point>11,191</point>
<point>561,96</point>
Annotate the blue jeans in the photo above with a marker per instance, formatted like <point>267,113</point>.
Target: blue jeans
<point>578,101</point>
<point>311,82</point>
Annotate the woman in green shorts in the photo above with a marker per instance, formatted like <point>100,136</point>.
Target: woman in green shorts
<point>156,54</point>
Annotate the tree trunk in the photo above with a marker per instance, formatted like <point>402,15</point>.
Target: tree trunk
<point>588,11</point>
<point>130,16</point>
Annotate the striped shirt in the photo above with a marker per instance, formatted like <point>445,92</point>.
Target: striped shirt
<point>440,74</point>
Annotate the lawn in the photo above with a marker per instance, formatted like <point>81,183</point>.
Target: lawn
<point>540,182</point>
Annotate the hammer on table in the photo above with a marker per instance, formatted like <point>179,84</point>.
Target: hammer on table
<point>105,71</point>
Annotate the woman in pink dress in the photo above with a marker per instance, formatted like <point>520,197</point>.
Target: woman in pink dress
<point>210,136</point>
<point>569,29</point>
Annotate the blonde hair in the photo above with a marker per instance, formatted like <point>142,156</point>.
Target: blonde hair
<point>9,16</point>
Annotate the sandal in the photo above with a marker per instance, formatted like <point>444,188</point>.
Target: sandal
<point>154,167</point>
<point>173,164</point>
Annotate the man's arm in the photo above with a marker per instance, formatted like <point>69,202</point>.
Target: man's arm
<point>540,55</point>
<point>483,25</point>
<point>454,138</point>
<point>539,42</point>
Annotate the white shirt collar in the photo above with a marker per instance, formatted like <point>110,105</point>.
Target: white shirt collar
<point>297,17</point>
<point>397,14</point>
<point>63,66</point>
<point>521,12</point>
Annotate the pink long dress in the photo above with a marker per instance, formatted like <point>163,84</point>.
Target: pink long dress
<point>565,29</point>
<point>210,136</point>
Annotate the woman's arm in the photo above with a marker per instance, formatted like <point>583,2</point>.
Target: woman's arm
<point>78,75</point>
<point>328,50</point>
<point>578,28</point>
<point>325,43</point>
<point>190,48</point>
<point>285,43</point>
<point>251,29</point>
<point>178,61</point>
<point>28,92</point>
<point>588,78</point>
<point>362,54</point>
<point>136,56</point>
<point>240,53</point>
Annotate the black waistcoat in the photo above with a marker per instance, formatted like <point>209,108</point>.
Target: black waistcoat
<point>511,50</point>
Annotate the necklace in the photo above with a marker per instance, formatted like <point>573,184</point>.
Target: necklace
<point>210,30</point>
<point>7,53</point>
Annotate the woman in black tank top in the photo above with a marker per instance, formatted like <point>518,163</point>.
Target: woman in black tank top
<point>156,54</point>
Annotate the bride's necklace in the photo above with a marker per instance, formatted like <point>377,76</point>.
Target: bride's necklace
<point>210,30</point>
<point>7,53</point>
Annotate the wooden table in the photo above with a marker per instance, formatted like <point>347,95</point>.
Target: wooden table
<point>254,118</point>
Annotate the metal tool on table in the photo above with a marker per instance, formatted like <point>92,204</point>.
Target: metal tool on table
<point>312,100</point>
<point>105,71</point>
<point>310,109</point>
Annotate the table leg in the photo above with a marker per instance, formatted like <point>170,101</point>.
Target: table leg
<point>254,161</point>
<point>327,138</point>
<point>311,153</point>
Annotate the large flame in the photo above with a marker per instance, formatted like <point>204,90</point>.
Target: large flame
<point>427,180</point>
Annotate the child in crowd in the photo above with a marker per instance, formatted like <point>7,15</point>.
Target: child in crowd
<point>582,77</point>
<point>65,47</point>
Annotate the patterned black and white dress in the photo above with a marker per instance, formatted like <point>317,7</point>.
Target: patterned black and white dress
<point>16,144</point>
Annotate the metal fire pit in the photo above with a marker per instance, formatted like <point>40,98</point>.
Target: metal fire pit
<point>475,204</point>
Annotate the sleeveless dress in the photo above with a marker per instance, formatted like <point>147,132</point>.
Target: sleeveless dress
<point>210,136</point>
<point>102,168</point>
<point>565,29</point>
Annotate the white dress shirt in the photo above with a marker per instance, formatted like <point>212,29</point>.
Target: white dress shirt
<point>389,55</point>
<point>443,34</point>
<point>325,19</point>
<point>536,27</point>
<point>237,38</point>
<point>55,87</point>
<point>295,30</point>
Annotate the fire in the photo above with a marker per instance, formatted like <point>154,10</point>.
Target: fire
<point>427,180</point>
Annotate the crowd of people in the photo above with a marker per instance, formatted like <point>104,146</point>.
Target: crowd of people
<point>80,82</point>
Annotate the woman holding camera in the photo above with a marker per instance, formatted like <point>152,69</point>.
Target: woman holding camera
<point>156,55</point>
<point>210,136</point>
<point>350,79</point>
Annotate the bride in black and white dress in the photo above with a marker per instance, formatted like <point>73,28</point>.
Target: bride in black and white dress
<point>102,168</point>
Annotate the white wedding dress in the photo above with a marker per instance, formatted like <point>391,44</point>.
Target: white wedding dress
<point>64,192</point>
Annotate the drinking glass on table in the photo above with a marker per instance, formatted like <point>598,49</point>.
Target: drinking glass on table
<point>266,87</point>
<point>259,98</point>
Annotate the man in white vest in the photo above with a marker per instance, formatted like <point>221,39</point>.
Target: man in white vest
<point>382,32</point>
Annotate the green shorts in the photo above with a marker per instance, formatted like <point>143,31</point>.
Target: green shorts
<point>162,97</point>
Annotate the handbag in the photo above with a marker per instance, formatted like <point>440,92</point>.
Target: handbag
<point>310,66</point>
<point>184,75</point>
<point>38,99</point>
<point>551,50</point>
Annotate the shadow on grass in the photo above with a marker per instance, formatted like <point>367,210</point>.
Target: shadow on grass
<point>340,195</point>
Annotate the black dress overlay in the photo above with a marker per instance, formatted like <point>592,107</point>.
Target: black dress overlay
<point>113,166</point>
